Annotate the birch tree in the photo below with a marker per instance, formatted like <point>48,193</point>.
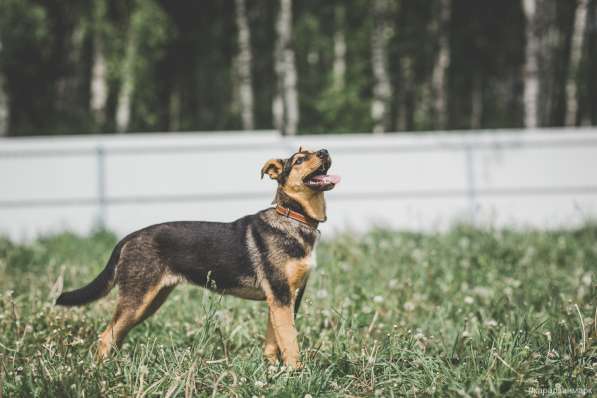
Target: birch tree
<point>382,89</point>
<point>285,105</point>
<point>531,74</point>
<point>99,84</point>
<point>3,102</point>
<point>440,68</point>
<point>123,110</point>
<point>476,103</point>
<point>244,61</point>
<point>339,66</point>
<point>576,47</point>
<point>407,89</point>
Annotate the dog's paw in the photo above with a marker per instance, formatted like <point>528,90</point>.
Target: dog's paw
<point>293,365</point>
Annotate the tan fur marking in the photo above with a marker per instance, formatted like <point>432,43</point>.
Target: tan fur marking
<point>297,271</point>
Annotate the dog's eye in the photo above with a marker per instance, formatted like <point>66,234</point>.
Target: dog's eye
<point>299,161</point>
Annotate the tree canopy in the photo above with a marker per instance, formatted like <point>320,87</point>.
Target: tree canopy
<point>72,67</point>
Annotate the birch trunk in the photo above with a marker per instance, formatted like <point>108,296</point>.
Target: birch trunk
<point>4,111</point>
<point>405,103</point>
<point>576,47</point>
<point>440,68</point>
<point>285,105</point>
<point>476,104</point>
<point>531,75</point>
<point>99,84</point>
<point>245,89</point>
<point>339,67</point>
<point>382,90</point>
<point>123,110</point>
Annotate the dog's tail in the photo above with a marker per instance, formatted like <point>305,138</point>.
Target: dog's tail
<point>96,289</point>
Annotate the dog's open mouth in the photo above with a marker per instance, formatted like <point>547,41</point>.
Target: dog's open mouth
<point>320,180</point>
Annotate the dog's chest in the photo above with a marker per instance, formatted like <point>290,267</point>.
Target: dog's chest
<point>297,270</point>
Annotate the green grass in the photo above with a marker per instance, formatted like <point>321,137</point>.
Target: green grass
<point>464,313</point>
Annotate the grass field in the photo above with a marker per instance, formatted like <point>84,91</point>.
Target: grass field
<point>464,313</point>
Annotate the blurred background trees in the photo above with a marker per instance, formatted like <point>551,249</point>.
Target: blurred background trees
<point>301,66</point>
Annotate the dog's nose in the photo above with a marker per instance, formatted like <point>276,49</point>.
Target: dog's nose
<point>323,153</point>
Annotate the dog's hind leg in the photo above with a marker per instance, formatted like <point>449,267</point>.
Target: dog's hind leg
<point>131,311</point>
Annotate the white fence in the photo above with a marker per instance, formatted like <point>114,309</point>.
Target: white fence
<point>543,178</point>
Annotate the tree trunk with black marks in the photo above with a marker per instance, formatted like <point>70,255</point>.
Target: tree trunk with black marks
<point>440,68</point>
<point>406,101</point>
<point>285,105</point>
<point>382,89</point>
<point>339,66</point>
<point>99,73</point>
<point>530,73</point>
<point>576,47</point>
<point>244,61</point>
<point>127,84</point>
<point>476,103</point>
<point>4,110</point>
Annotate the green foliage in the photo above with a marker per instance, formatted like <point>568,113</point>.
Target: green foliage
<point>326,105</point>
<point>179,58</point>
<point>467,312</point>
<point>150,32</point>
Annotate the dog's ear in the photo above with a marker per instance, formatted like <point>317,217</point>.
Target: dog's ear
<point>273,168</point>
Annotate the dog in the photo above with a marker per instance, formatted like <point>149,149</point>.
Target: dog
<point>264,256</point>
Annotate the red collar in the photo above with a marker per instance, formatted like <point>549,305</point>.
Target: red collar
<point>284,211</point>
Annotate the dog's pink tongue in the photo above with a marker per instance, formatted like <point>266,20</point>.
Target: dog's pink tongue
<point>327,179</point>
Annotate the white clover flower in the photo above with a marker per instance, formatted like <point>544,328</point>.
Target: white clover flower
<point>469,300</point>
<point>260,384</point>
<point>378,299</point>
<point>490,323</point>
<point>409,306</point>
<point>482,292</point>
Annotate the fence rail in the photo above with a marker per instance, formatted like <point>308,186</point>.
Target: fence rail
<point>475,173</point>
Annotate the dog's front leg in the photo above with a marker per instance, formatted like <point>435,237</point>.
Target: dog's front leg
<point>281,317</point>
<point>270,351</point>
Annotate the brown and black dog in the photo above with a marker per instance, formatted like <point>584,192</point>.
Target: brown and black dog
<point>264,256</point>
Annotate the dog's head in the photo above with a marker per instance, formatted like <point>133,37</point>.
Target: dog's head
<point>303,177</point>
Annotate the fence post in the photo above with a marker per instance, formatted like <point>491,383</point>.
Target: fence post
<point>101,185</point>
<point>471,191</point>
